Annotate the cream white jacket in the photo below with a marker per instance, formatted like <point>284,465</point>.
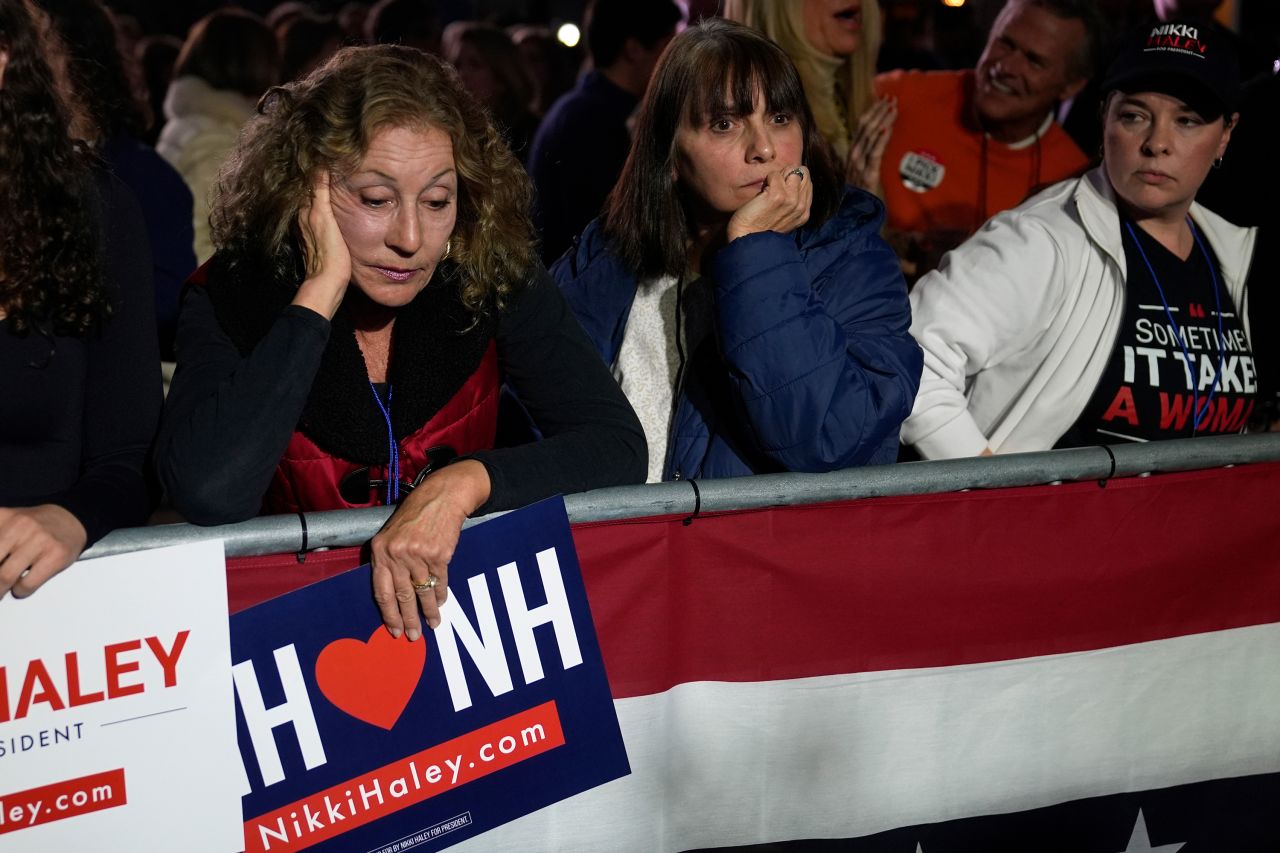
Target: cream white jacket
<point>1019,322</point>
<point>202,128</point>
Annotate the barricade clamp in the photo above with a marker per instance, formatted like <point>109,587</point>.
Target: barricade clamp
<point>1102,484</point>
<point>301,556</point>
<point>697,503</point>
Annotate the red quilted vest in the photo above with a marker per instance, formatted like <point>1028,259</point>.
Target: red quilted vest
<point>307,478</point>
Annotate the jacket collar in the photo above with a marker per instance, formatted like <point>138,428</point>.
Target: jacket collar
<point>191,96</point>
<point>1096,203</point>
<point>599,288</point>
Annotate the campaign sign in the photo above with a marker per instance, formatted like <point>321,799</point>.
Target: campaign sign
<point>356,741</point>
<point>117,722</point>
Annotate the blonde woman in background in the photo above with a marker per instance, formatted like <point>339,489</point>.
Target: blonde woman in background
<point>833,44</point>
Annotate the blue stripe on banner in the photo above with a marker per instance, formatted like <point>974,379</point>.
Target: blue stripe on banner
<point>1240,815</point>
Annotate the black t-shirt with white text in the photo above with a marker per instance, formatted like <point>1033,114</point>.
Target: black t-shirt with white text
<point>1149,387</point>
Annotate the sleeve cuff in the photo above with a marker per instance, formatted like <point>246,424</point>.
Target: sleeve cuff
<point>957,438</point>
<point>308,319</point>
<point>749,256</point>
<point>94,526</point>
<point>497,484</point>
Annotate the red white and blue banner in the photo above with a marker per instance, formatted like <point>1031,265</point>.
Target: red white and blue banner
<point>355,741</point>
<point>117,729</point>
<point>1052,668</point>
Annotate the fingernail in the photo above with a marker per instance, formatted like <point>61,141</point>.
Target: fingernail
<point>394,632</point>
<point>434,622</point>
<point>413,634</point>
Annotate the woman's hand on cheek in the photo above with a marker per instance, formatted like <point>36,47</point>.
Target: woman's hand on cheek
<point>327,256</point>
<point>40,541</point>
<point>782,206</point>
<point>417,543</point>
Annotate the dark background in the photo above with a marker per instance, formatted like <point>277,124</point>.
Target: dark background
<point>958,32</point>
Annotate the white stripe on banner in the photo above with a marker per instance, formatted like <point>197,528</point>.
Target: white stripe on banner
<point>719,764</point>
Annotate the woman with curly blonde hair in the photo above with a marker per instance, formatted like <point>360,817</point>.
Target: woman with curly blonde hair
<point>834,44</point>
<point>375,282</point>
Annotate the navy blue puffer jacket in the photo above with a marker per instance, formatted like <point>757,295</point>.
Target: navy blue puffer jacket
<point>812,368</point>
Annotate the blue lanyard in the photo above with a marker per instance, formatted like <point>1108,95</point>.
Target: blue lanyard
<point>393,450</point>
<point>1197,414</point>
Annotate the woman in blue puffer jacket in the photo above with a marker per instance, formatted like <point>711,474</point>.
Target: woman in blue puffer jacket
<point>742,295</point>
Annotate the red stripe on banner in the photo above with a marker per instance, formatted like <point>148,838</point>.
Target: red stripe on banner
<point>405,782</point>
<point>61,800</point>
<point>253,580</point>
<point>937,580</point>
<point>919,581</point>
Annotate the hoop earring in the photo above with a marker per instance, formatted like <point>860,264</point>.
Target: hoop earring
<point>448,249</point>
<point>1217,164</point>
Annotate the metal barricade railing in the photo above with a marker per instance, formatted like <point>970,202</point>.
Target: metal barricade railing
<point>284,533</point>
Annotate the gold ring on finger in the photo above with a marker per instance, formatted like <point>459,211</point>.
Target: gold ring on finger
<point>429,583</point>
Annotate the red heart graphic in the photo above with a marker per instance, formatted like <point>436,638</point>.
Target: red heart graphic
<point>371,681</point>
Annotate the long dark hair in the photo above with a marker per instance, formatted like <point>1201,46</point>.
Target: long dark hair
<point>712,68</point>
<point>50,277</point>
<point>99,72</point>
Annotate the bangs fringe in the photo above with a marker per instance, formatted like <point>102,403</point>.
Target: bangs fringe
<point>744,70</point>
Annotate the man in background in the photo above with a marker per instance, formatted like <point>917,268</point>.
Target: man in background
<point>969,144</point>
<point>582,144</point>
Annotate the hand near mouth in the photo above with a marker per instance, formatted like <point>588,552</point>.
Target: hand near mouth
<point>327,257</point>
<point>781,206</point>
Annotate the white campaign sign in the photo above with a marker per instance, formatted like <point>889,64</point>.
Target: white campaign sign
<point>117,722</point>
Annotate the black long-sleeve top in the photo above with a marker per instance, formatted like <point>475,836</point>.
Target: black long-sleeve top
<point>77,414</point>
<point>230,414</point>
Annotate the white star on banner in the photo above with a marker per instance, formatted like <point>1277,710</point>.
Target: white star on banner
<point>1140,843</point>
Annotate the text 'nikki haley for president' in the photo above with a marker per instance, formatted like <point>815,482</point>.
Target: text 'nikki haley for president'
<point>354,739</point>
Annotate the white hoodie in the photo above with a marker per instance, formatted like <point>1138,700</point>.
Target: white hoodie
<point>1018,323</point>
<point>202,126</point>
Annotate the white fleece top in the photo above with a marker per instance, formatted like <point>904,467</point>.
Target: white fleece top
<point>1018,322</point>
<point>648,363</point>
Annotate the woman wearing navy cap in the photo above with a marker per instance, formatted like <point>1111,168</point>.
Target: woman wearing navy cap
<point>1107,308</point>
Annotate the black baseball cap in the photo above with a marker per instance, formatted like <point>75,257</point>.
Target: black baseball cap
<point>1193,60</point>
